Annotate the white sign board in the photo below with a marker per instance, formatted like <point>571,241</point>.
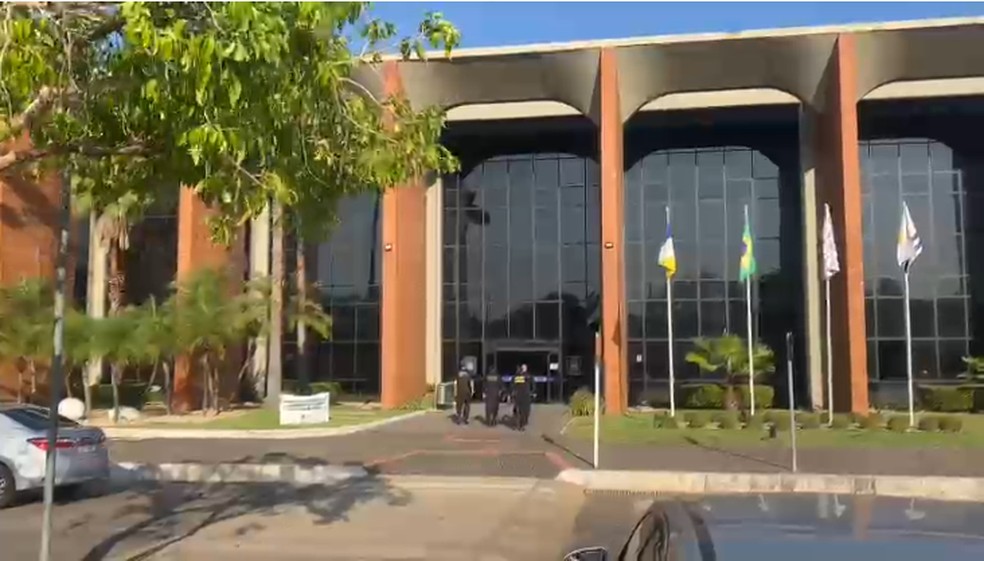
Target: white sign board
<point>304,409</point>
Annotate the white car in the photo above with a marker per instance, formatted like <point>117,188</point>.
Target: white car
<point>81,457</point>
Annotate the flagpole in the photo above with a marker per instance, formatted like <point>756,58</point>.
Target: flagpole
<point>748,322</point>
<point>830,360</point>
<point>669,329</point>
<point>908,348</point>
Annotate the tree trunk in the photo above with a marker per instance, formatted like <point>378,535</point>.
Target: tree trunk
<point>114,378</point>
<point>167,386</point>
<point>34,379</point>
<point>20,385</point>
<point>68,383</point>
<point>205,381</point>
<point>275,370</point>
<point>301,276</point>
<point>86,393</point>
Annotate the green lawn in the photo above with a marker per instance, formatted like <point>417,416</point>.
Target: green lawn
<point>637,428</point>
<point>263,419</point>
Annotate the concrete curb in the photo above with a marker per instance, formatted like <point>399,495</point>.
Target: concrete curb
<point>128,473</point>
<point>146,433</point>
<point>686,482</point>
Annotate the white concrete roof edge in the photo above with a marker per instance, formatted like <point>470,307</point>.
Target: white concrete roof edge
<point>541,48</point>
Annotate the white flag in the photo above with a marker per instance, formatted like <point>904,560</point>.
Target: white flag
<point>909,246</point>
<point>830,265</point>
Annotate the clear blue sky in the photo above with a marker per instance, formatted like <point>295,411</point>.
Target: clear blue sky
<point>485,24</point>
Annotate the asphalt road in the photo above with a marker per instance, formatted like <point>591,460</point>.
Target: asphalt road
<point>486,519</point>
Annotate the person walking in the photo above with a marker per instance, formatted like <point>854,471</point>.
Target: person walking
<point>522,397</point>
<point>464,388</point>
<point>493,395</point>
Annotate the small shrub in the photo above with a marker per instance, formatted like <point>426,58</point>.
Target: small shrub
<point>704,396</point>
<point>334,390</point>
<point>841,421</point>
<point>755,423</point>
<point>898,423</point>
<point>697,419</point>
<point>809,420</point>
<point>764,396</point>
<point>668,422</point>
<point>727,420</point>
<point>929,424</point>
<point>780,420</point>
<point>582,403</point>
<point>856,418</point>
<point>871,421</point>
<point>947,399</point>
<point>951,423</point>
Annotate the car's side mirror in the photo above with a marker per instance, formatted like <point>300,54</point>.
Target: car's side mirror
<point>588,554</point>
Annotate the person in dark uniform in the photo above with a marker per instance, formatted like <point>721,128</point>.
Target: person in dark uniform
<point>463,389</point>
<point>522,397</point>
<point>493,395</point>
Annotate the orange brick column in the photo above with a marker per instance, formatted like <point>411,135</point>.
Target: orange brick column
<point>403,323</point>
<point>614,335</point>
<point>197,251</point>
<point>839,180</point>
<point>29,214</point>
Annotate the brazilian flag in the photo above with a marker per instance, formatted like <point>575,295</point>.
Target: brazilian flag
<point>748,265</point>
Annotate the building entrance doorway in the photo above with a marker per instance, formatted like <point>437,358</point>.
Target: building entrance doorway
<point>543,365</point>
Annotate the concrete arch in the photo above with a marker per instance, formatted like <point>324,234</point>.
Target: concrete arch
<point>904,55</point>
<point>568,77</point>
<point>719,98</point>
<point>793,65</point>
<point>916,89</point>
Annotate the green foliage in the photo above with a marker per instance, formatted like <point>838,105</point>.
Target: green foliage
<point>727,420</point>
<point>898,423</point>
<point>704,396</point>
<point>667,422</point>
<point>728,355</point>
<point>841,421</point>
<point>871,421</point>
<point>755,423</point>
<point>582,403</point>
<point>778,419</point>
<point>809,420</point>
<point>697,419</point>
<point>951,423</point>
<point>975,368</point>
<point>764,396</point>
<point>245,102</point>
<point>929,424</point>
<point>947,399</point>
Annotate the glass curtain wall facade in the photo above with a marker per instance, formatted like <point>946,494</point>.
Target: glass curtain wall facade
<point>926,156</point>
<point>347,270</point>
<point>706,176</point>
<point>521,257</point>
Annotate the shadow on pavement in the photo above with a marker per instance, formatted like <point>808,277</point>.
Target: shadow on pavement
<point>172,513</point>
<point>693,441</point>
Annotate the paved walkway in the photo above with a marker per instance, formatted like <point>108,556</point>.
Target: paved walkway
<point>431,444</point>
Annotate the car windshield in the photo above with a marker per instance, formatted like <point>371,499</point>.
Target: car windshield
<point>35,418</point>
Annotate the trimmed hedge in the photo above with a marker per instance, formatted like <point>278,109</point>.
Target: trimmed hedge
<point>764,396</point>
<point>929,424</point>
<point>727,419</point>
<point>947,399</point>
<point>334,389</point>
<point>841,421</point>
<point>703,396</point>
<point>809,420</point>
<point>951,423</point>
<point>697,419</point>
<point>756,423</point>
<point>871,421</point>
<point>898,423</point>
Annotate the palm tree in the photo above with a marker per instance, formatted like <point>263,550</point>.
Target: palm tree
<point>114,338</point>
<point>26,311</point>
<point>730,353</point>
<point>155,333</point>
<point>208,319</point>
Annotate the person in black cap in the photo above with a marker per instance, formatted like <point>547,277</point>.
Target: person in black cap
<point>493,395</point>
<point>464,388</point>
<point>522,397</point>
